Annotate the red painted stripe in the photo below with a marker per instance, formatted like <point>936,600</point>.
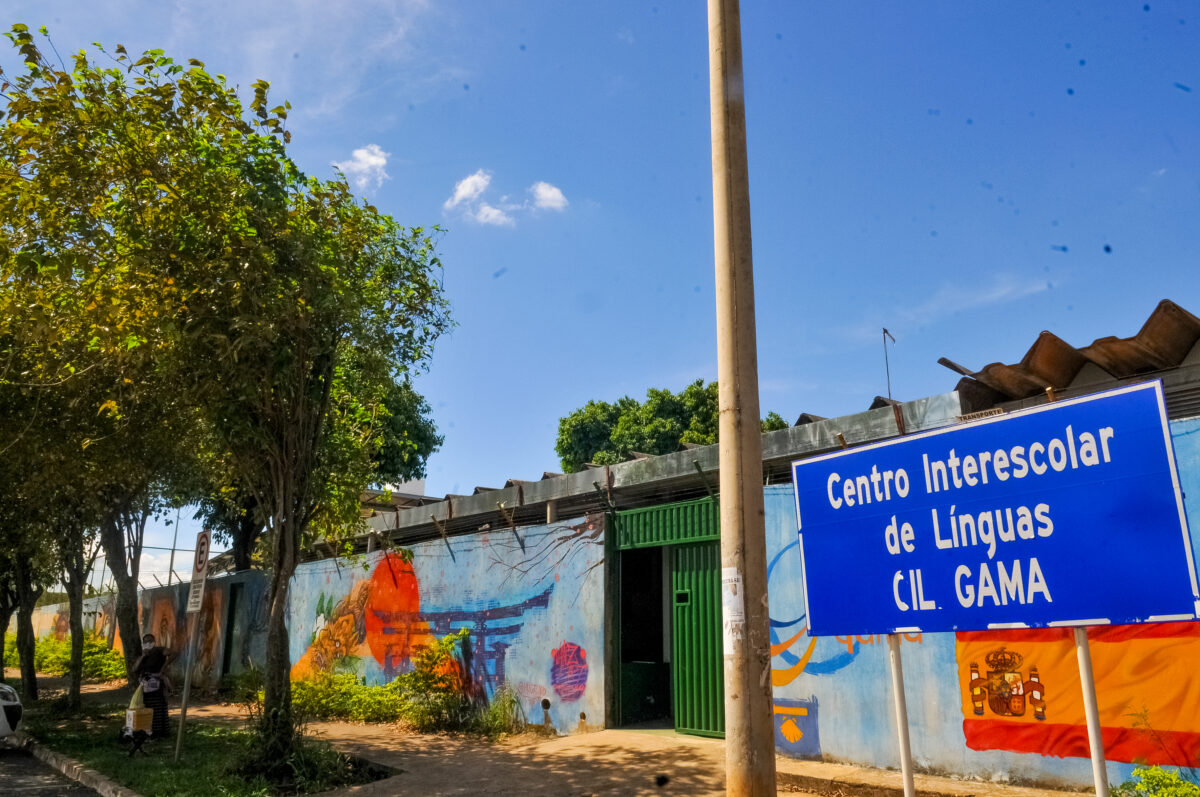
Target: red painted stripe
<point>1100,634</point>
<point>1178,748</point>
<point>1120,633</point>
<point>1015,635</point>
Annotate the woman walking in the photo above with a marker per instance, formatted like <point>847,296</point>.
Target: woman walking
<point>149,670</point>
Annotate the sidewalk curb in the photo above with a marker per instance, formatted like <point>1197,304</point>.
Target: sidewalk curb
<point>74,770</point>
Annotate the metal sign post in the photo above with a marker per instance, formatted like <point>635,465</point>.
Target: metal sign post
<point>1091,711</point>
<point>901,708</point>
<point>195,601</point>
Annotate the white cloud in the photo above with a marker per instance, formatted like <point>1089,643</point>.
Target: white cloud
<point>625,35</point>
<point>469,188</point>
<point>322,56</point>
<point>487,214</point>
<point>548,197</point>
<point>468,198</point>
<point>366,167</point>
<point>952,298</point>
<point>946,301</point>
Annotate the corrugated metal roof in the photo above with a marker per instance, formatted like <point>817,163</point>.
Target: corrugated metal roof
<point>1162,343</point>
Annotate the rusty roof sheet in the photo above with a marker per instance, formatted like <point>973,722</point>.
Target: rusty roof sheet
<point>1162,342</point>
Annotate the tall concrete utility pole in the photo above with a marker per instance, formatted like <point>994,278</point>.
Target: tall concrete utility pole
<point>749,735</point>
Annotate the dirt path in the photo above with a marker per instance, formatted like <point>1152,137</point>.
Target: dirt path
<point>609,762</point>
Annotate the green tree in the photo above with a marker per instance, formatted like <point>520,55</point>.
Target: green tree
<point>409,435</point>
<point>605,433</point>
<point>154,232</point>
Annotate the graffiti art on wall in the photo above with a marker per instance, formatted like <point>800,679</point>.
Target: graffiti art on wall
<point>529,599</point>
<point>1020,692</point>
<point>796,727</point>
<point>232,625</point>
<point>568,674</point>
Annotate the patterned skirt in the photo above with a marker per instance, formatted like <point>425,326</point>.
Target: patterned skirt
<point>157,700</point>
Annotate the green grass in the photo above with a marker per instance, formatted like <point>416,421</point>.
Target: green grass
<point>211,754</point>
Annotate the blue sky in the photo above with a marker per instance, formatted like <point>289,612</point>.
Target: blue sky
<point>949,170</point>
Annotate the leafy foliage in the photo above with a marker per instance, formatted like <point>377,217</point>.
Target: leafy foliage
<point>226,326</point>
<point>605,433</point>
<point>430,698</point>
<point>433,692</point>
<point>53,657</point>
<point>1156,782</point>
<point>409,435</point>
<point>342,696</point>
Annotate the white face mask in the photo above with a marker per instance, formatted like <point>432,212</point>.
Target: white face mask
<point>148,646</point>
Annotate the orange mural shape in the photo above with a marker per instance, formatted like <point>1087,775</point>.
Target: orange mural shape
<point>1020,691</point>
<point>379,617</point>
<point>164,624</point>
<point>393,629</point>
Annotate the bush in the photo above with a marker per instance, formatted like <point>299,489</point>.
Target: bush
<point>1156,782</point>
<point>432,693</point>
<point>432,697</point>
<point>53,657</point>
<point>343,696</point>
<point>502,715</point>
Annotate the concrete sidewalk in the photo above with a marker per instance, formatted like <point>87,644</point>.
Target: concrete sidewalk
<point>609,762</point>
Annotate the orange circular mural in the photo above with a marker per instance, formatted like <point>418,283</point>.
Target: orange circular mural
<point>392,610</point>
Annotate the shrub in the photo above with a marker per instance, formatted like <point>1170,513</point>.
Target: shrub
<point>502,715</point>
<point>1156,782</point>
<point>244,687</point>
<point>53,657</point>
<point>343,696</point>
<point>433,696</point>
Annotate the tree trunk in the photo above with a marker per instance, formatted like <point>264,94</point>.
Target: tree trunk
<point>74,577</point>
<point>112,539</point>
<point>8,605</point>
<point>5,615</point>
<point>249,529</point>
<point>27,597</point>
<point>278,731</point>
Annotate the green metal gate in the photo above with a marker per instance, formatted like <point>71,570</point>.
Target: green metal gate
<point>690,530</point>
<point>696,660</point>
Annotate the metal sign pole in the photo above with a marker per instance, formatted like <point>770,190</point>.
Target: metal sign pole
<point>187,680</point>
<point>195,602</point>
<point>1091,711</point>
<point>901,707</point>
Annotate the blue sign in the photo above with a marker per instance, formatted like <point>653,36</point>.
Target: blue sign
<point>1066,514</point>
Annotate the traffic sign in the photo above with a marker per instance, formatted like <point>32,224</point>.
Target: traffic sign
<point>199,573</point>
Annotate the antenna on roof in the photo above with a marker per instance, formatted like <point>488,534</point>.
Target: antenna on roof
<point>887,366</point>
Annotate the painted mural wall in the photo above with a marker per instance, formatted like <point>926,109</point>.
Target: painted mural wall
<point>98,616</point>
<point>232,627</point>
<point>533,601</point>
<point>1004,705</point>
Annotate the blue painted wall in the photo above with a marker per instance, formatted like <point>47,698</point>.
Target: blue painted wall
<point>534,605</point>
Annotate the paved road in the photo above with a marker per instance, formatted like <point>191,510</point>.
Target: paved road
<point>22,774</point>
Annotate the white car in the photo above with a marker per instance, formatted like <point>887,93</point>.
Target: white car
<point>10,711</point>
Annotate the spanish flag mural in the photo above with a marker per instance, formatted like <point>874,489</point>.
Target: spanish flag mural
<point>1020,691</point>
